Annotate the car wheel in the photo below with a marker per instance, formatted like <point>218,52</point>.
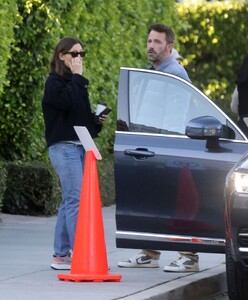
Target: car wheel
<point>237,278</point>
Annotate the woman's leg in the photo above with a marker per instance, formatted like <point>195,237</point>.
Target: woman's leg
<point>68,161</point>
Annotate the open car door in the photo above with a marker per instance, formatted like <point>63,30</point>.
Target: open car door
<point>173,149</point>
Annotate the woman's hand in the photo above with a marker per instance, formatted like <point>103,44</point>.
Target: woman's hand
<point>102,119</point>
<point>76,65</point>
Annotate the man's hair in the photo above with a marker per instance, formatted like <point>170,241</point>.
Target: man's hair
<point>169,34</point>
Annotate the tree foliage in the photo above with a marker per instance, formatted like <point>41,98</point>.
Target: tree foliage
<point>212,38</point>
<point>213,41</point>
<point>9,9</point>
<point>114,34</point>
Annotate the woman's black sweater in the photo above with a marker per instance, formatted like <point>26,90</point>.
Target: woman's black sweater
<point>66,104</point>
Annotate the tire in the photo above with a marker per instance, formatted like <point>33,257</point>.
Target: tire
<point>237,277</point>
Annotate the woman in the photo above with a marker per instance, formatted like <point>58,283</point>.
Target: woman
<point>66,104</point>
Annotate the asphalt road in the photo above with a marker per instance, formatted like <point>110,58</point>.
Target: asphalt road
<point>26,251</point>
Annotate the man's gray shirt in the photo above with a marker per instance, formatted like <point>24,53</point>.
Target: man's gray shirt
<point>171,66</point>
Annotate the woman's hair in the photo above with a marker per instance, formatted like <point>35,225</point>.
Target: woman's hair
<point>63,46</point>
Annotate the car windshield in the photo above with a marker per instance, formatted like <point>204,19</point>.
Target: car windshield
<point>165,104</point>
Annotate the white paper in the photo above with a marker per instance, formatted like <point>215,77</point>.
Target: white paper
<point>87,141</point>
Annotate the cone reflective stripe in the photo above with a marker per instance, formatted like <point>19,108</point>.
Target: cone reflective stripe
<point>89,260</point>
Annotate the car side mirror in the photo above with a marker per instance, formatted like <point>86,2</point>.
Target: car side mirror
<point>206,128</point>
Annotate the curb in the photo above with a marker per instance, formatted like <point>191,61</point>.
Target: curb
<point>197,286</point>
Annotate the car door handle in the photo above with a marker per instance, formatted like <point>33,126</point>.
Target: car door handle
<point>139,153</point>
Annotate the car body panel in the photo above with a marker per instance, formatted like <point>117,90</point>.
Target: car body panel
<point>169,187</point>
<point>236,221</point>
<point>236,212</point>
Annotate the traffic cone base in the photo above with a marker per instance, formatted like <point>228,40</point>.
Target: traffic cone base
<point>89,278</point>
<point>89,259</point>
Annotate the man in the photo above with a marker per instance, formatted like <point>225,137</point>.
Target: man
<point>159,48</point>
<point>163,58</point>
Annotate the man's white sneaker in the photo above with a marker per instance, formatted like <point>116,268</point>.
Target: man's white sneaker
<point>140,260</point>
<point>184,264</point>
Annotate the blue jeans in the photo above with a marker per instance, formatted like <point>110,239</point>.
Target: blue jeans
<point>68,161</point>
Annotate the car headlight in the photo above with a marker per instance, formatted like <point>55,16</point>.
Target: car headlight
<point>240,182</point>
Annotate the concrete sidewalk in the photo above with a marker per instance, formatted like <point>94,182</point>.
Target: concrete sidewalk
<point>26,248</point>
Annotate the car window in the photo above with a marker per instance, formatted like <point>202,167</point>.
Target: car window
<point>164,104</point>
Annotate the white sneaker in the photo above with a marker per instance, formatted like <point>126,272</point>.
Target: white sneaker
<point>184,264</point>
<point>61,262</point>
<point>140,260</point>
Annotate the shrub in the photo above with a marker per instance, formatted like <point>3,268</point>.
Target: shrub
<point>3,178</point>
<point>213,42</point>
<point>104,27</point>
<point>106,179</point>
<point>32,189</point>
<point>8,11</point>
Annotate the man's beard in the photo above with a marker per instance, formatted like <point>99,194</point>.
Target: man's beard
<point>154,57</point>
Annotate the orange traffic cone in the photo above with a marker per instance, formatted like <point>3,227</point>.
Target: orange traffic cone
<point>89,260</point>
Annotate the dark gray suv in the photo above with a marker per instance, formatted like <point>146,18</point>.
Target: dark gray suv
<point>236,216</point>
<point>173,150</point>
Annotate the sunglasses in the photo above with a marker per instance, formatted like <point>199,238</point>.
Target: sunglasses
<point>75,53</point>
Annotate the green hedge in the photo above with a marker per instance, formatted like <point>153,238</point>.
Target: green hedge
<point>21,124</point>
<point>211,37</point>
<point>31,189</point>
<point>213,42</point>
<point>3,183</point>
<point>104,27</point>
<point>8,11</point>
<point>106,179</point>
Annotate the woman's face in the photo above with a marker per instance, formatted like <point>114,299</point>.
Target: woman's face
<point>73,53</point>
